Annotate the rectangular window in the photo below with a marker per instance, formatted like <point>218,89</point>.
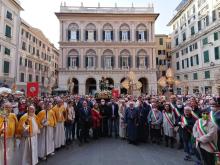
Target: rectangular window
<point>197,59</point>
<point>177,55</point>
<point>24,46</point>
<point>37,78</point>
<point>205,41</point>
<point>217,53</point>
<point>191,61</point>
<point>20,61</point>
<point>184,36</point>
<point>176,42</point>
<point>207,74</point>
<point>7,51</point>
<point>90,35</point>
<point>177,65</point>
<point>192,31</point>
<point>125,62</point>
<point>141,35</point>
<point>161,41</point>
<point>124,35</point>
<point>187,62</point>
<point>90,62</point>
<point>199,25</point>
<point>215,36</point>
<point>195,76</point>
<point>30,77</point>
<point>108,62</point>
<point>206,56</point>
<point>182,64</point>
<point>22,77</point>
<point>214,15</point>
<point>8,31</point>
<point>9,15</point>
<point>6,67</point>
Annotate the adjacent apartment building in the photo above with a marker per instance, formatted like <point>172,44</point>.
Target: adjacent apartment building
<point>38,59</point>
<point>108,42</point>
<point>196,46</point>
<point>9,32</point>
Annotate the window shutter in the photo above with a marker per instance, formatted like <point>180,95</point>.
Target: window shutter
<point>103,35</point>
<point>77,61</point>
<point>129,35</point>
<point>95,38</point>
<point>136,35</point>
<point>112,61</point>
<point>187,62</point>
<point>199,25</point>
<point>86,60</point>
<point>120,61</point>
<point>207,20</point>
<point>145,35</point>
<point>146,62</point>
<point>120,34</point>
<point>191,61</point>
<point>68,62</point>
<point>112,38</point>
<point>68,35</point>
<point>137,61</point>
<point>129,62</point>
<point>217,54</point>
<point>77,35</point>
<point>86,35</point>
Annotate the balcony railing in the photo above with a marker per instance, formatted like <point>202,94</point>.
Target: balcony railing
<point>74,9</point>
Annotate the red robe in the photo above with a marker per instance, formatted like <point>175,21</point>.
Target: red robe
<point>96,118</point>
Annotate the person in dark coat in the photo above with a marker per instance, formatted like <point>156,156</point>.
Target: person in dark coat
<point>85,120</point>
<point>77,105</point>
<point>143,130</point>
<point>113,118</point>
<point>104,111</point>
<point>131,120</point>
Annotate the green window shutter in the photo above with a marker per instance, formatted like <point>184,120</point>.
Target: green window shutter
<point>217,54</point>
<point>8,31</point>
<point>206,56</point>
<point>7,51</point>
<point>207,74</point>
<point>215,36</point>
<point>191,61</point>
<point>195,76</point>
<point>192,30</point>
<point>205,41</point>
<point>6,67</point>
<point>197,59</point>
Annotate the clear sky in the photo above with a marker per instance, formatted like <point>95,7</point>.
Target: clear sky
<point>40,13</point>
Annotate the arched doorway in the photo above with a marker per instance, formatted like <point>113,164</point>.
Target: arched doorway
<point>76,86</point>
<point>110,83</point>
<point>144,88</point>
<point>123,90</point>
<point>90,86</point>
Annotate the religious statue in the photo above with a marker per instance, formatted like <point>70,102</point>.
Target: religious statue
<point>70,85</point>
<point>103,84</point>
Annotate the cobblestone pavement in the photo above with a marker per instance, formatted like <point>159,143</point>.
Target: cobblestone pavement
<point>116,152</point>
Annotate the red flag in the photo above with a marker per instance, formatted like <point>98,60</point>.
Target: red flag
<point>115,93</point>
<point>32,89</point>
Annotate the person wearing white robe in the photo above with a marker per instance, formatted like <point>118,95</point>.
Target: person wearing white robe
<point>122,128</point>
<point>28,130</point>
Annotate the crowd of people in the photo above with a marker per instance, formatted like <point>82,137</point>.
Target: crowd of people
<point>36,127</point>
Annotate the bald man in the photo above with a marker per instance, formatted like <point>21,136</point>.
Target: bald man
<point>11,124</point>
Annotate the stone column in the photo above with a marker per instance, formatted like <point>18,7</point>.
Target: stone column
<point>99,51</point>
<point>133,53</point>
<point>116,58</point>
<point>133,32</point>
<point>81,58</point>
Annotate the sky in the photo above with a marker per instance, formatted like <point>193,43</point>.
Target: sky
<point>40,13</point>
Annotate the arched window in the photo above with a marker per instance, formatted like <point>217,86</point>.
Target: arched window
<point>125,60</point>
<point>142,59</point>
<point>124,32</point>
<point>107,59</point>
<point>91,59</point>
<point>90,33</point>
<point>73,59</point>
<point>107,34</point>
<point>141,33</point>
<point>73,32</point>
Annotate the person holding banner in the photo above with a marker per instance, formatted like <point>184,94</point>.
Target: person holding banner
<point>155,118</point>
<point>186,123</point>
<point>205,132</point>
<point>8,125</point>
<point>47,122</point>
<point>168,124</point>
<point>27,130</point>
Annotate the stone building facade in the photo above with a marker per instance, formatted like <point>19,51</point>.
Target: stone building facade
<point>196,46</point>
<point>106,42</point>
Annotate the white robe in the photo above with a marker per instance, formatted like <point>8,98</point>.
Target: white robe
<point>122,129</point>
<point>25,148</point>
<point>59,135</point>
<point>48,145</point>
<point>11,151</point>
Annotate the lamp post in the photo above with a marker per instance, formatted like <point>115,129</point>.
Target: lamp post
<point>168,81</point>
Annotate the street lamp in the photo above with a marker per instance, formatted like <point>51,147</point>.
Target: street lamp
<point>168,81</point>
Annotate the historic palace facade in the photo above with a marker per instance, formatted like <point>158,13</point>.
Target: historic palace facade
<point>106,42</point>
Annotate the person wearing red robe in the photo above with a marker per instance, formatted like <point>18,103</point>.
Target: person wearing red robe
<point>96,121</point>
